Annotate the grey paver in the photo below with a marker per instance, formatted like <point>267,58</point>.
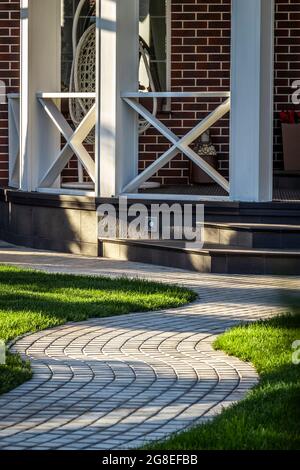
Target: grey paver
<point>122,381</point>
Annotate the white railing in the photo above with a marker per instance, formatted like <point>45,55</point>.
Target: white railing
<point>13,139</point>
<point>73,146</point>
<point>74,138</point>
<point>179,145</point>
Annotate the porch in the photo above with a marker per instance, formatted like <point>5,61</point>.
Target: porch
<point>73,149</point>
<point>115,111</point>
<point>239,237</point>
<point>286,188</point>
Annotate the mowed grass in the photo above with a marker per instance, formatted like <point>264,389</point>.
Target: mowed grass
<point>269,417</point>
<point>33,300</point>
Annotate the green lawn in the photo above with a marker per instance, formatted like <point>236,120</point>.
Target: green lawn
<point>33,300</point>
<point>269,417</point>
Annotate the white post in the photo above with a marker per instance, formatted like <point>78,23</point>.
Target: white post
<point>117,70</point>
<point>14,137</point>
<point>252,100</point>
<point>40,71</point>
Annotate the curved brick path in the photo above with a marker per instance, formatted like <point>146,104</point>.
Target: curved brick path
<point>119,382</point>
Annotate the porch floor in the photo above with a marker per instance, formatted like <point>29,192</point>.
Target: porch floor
<point>280,194</point>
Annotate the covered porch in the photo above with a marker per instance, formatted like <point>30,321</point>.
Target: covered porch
<point>43,141</point>
<point>116,123</point>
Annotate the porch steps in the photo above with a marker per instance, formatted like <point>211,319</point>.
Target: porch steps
<point>229,249</point>
<point>276,213</point>
<point>253,235</point>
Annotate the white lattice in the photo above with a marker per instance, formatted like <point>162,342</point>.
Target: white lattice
<point>84,80</point>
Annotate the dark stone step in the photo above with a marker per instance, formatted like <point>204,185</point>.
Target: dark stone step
<point>231,260</point>
<point>284,237</point>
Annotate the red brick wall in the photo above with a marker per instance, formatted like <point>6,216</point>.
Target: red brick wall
<point>200,61</point>
<point>9,71</point>
<point>287,64</point>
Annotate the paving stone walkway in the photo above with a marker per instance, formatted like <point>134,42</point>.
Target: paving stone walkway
<point>119,382</point>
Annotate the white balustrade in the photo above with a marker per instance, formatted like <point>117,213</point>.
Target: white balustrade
<point>179,145</point>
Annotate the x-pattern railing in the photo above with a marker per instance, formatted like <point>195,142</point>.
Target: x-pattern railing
<point>74,138</point>
<point>179,145</point>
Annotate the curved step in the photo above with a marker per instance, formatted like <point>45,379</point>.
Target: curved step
<point>210,259</point>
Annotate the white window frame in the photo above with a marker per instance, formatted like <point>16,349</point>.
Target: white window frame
<point>168,43</point>
<point>168,104</point>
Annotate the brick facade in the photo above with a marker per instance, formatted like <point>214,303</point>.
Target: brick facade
<point>9,71</point>
<point>287,65</point>
<point>200,62</point>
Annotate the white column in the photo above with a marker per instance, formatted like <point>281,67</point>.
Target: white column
<point>40,71</point>
<point>251,155</point>
<point>116,130</point>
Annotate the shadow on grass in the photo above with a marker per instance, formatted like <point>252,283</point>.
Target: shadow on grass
<point>45,300</point>
<point>269,417</point>
<point>33,300</point>
<point>13,373</point>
